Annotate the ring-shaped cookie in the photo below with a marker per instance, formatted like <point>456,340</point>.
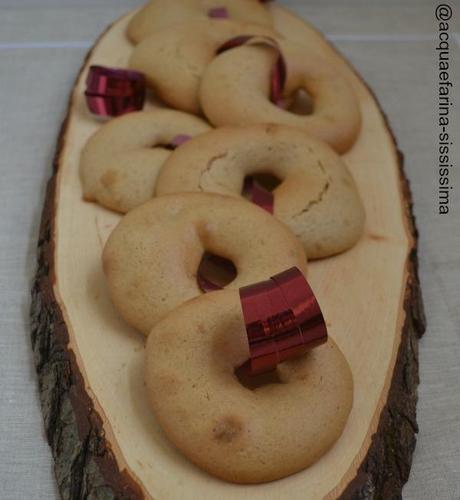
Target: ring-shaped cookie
<point>317,197</point>
<point>233,432</point>
<point>235,90</point>
<point>174,61</point>
<point>120,162</point>
<point>152,257</point>
<point>160,14</point>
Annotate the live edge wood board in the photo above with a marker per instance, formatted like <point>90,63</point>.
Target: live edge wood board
<point>104,438</point>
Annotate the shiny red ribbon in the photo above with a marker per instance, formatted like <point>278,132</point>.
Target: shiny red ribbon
<point>215,265</point>
<point>113,92</point>
<point>283,320</point>
<point>252,189</point>
<point>279,72</point>
<point>178,140</point>
<point>258,194</point>
<point>222,12</point>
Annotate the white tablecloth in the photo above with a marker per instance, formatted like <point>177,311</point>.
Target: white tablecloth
<point>391,43</point>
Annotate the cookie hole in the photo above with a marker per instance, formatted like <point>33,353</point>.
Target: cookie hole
<point>175,142</point>
<point>256,381</point>
<point>300,103</point>
<point>168,146</point>
<point>215,271</point>
<point>266,181</point>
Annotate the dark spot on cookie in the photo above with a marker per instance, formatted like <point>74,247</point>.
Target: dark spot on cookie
<point>318,248</point>
<point>169,383</point>
<point>227,429</point>
<point>271,128</point>
<point>109,179</point>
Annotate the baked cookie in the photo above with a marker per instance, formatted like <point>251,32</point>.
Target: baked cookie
<point>235,90</point>
<point>317,197</point>
<point>174,60</point>
<point>233,432</point>
<point>161,14</point>
<point>151,258</point>
<point>120,162</point>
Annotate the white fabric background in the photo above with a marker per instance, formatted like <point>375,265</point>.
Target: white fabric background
<point>391,43</point>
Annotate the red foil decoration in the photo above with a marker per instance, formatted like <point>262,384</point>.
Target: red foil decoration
<point>113,92</point>
<point>237,41</point>
<point>113,106</point>
<point>206,285</point>
<point>279,72</point>
<point>113,81</point>
<point>218,266</point>
<point>258,194</point>
<point>218,13</point>
<point>283,320</point>
<point>180,139</point>
<point>278,81</point>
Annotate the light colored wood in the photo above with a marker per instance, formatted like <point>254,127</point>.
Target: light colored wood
<point>361,294</point>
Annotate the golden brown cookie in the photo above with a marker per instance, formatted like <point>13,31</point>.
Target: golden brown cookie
<point>121,161</point>
<point>161,14</point>
<point>239,434</point>
<point>151,258</point>
<point>235,90</point>
<point>174,60</point>
<point>317,197</point>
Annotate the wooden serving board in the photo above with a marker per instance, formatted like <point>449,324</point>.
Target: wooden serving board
<point>103,435</point>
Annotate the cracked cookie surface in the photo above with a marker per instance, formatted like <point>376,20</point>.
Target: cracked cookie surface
<point>236,86</point>
<point>152,257</point>
<point>174,60</point>
<point>160,14</point>
<point>239,434</point>
<point>317,197</point>
<point>121,160</point>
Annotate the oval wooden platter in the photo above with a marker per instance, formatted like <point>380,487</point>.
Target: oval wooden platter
<point>104,438</point>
